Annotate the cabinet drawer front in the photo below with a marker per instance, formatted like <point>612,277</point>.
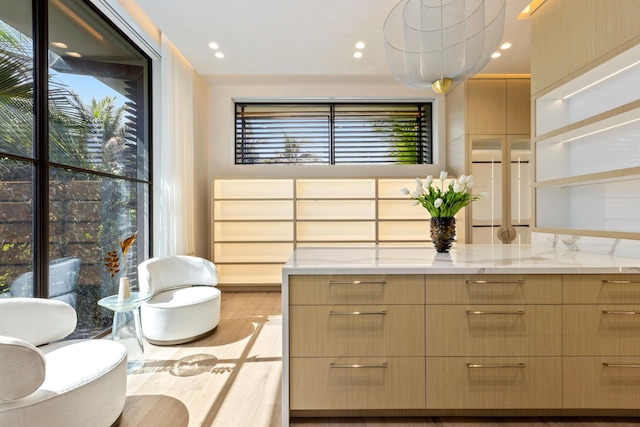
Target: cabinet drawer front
<point>588,383</point>
<point>356,289</point>
<point>494,289</point>
<point>601,330</point>
<point>357,383</point>
<point>494,382</point>
<point>354,330</point>
<point>494,330</point>
<point>601,289</point>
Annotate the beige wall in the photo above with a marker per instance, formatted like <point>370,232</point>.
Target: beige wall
<point>201,165</point>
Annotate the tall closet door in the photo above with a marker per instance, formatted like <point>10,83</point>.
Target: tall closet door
<point>503,216</point>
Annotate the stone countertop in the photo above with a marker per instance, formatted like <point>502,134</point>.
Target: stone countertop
<point>463,259</point>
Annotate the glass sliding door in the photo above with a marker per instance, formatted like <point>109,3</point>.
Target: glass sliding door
<point>17,161</point>
<point>90,174</point>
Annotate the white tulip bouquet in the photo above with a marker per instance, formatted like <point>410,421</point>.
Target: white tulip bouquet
<point>446,199</point>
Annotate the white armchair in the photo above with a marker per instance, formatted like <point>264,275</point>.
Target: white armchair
<point>56,384</point>
<point>185,304</point>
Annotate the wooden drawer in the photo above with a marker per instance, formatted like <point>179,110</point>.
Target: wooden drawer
<point>378,383</point>
<point>354,330</point>
<point>356,289</point>
<point>588,383</point>
<point>494,289</point>
<point>494,330</point>
<point>601,330</point>
<point>497,382</point>
<point>601,289</point>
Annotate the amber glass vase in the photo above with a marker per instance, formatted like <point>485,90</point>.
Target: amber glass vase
<point>443,233</point>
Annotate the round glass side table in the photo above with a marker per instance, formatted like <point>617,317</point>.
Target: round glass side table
<point>126,326</point>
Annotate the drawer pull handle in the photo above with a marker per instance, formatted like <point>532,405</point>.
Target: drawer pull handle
<point>620,365</point>
<point>355,313</point>
<point>358,282</point>
<point>619,282</point>
<point>482,365</point>
<point>488,282</point>
<point>630,313</point>
<point>519,312</point>
<point>337,365</point>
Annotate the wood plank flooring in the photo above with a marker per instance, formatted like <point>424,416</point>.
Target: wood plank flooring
<point>232,377</point>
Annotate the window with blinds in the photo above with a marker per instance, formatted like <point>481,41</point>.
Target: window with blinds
<point>333,133</point>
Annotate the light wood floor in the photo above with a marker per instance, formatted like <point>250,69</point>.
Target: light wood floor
<point>232,377</point>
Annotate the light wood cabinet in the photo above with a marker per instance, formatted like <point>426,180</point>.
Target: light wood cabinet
<point>487,106</point>
<point>356,342</point>
<point>488,123</point>
<point>357,383</point>
<point>499,106</point>
<point>601,289</point>
<point>486,342</point>
<point>601,382</point>
<point>356,289</point>
<point>258,223</point>
<point>357,330</point>
<point>494,330</point>
<point>494,289</point>
<point>601,326</point>
<point>494,382</point>
<point>471,347</point>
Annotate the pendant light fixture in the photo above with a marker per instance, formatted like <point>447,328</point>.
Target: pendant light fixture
<point>438,43</point>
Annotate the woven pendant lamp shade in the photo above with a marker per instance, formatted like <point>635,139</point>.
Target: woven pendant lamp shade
<point>430,41</point>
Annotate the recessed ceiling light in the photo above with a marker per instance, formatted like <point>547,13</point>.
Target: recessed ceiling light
<point>73,54</point>
<point>360,45</point>
<point>213,45</point>
<point>495,55</point>
<point>219,55</point>
<point>59,44</point>
<point>357,54</point>
<point>505,46</point>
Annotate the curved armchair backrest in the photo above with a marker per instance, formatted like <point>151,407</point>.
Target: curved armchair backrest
<point>35,320</point>
<point>157,274</point>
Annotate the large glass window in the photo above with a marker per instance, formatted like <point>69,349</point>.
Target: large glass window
<point>75,157</point>
<point>333,133</point>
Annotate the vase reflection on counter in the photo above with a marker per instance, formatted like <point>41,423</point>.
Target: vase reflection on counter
<point>443,233</point>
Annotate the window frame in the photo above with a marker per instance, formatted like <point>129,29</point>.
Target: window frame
<point>425,144</point>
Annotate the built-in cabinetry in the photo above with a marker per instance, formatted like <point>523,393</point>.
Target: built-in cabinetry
<point>601,325</point>
<point>488,126</point>
<point>587,119</point>
<point>462,342</point>
<point>357,342</point>
<point>257,223</point>
<point>494,341</point>
<point>588,153</point>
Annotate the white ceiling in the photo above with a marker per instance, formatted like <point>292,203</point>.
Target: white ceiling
<point>300,37</point>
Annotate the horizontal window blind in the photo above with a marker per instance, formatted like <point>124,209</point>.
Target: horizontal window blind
<point>333,133</point>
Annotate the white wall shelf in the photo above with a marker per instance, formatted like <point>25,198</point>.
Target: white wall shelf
<point>588,152</point>
<point>254,232</point>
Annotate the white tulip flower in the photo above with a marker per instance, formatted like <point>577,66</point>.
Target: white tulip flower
<point>438,202</point>
<point>418,182</point>
<point>484,194</point>
<point>462,179</point>
<point>469,182</point>
<point>443,175</point>
<point>429,180</point>
<point>404,190</point>
<point>457,188</point>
